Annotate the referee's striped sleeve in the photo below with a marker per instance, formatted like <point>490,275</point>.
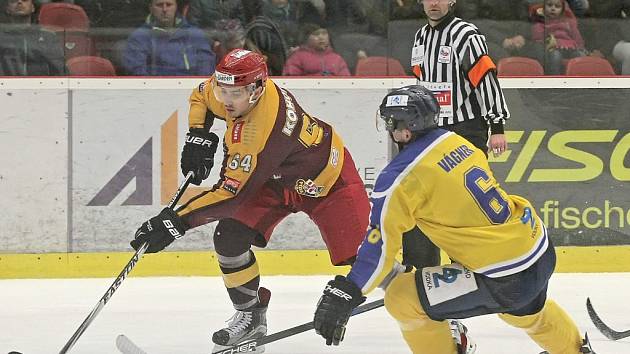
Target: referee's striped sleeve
<point>482,76</point>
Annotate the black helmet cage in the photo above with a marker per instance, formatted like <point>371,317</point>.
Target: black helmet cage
<point>412,107</point>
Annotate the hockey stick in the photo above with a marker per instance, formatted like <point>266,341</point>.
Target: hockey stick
<point>126,346</point>
<point>601,326</point>
<point>130,265</point>
<point>250,346</point>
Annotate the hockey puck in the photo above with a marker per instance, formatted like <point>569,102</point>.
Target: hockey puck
<point>14,353</point>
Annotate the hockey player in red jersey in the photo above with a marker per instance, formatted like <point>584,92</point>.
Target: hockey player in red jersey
<point>278,160</point>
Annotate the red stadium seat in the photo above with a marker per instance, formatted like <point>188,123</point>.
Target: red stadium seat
<point>379,66</point>
<point>90,66</point>
<point>77,44</point>
<point>60,16</point>
<point>589,66</point>
<point>519,66</point>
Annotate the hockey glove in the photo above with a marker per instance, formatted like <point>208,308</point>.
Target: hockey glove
<point>340,297</point>
<point>198,154</point>
<point>159,231</point>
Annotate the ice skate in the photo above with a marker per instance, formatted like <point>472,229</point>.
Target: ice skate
<point>585,348</point>
<point>460,335</point>
<point>245,325</point>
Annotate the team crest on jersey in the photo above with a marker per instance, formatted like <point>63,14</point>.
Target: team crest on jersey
<point>444,56</point>
<point>308,188</point>
<point>201,86</point>
<point>237,130</point>
<point>231,185</point>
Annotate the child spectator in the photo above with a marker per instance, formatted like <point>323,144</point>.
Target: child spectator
<point>556,26</point>
<point>315,57</point>
<point>167,45</point>
<point>25,48</point>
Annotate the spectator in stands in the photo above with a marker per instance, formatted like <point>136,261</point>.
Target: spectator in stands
<point>206,13</point>
<point>25,48</point>
<point>168,45</point>
<point>114,14</point>
<point>556,26</point>
<point>288,15</point>
<point>229,35</point>
<point>315,57</point>
<point>621,52</point>
<point>579,7</point>
<point>264,37</point>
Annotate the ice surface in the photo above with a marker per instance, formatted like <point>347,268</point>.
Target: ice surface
<point>178,315</point>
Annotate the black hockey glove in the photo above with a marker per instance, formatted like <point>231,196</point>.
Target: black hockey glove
<point>340,297</point>
<point>198,154</point>
<point>159,231</point>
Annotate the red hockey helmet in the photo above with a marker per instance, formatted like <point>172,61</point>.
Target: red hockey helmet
<point>241,67</point>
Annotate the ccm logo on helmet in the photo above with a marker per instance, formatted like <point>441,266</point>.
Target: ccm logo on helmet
<point>224,78</point>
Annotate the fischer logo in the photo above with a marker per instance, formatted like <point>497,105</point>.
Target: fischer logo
<point>224,78</point>
<point>243,348</point>
<point>338,292</point>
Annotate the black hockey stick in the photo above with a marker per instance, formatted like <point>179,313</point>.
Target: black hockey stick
<point>130,265</point>
<point>601,326</point>
<point>250,346</point>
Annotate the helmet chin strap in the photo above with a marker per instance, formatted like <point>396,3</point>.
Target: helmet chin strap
<point>252,99</point>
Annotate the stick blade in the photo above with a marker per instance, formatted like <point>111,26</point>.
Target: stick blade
<point>601,326</point>
<point>126,346</point>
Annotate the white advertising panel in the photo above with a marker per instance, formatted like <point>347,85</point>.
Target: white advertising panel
<point>34,170</point>
<point>126,160</point>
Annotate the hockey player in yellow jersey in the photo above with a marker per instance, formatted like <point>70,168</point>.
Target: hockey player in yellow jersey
<point>502,256</point>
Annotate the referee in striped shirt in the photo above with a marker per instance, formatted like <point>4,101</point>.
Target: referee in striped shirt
<point>450,57</point>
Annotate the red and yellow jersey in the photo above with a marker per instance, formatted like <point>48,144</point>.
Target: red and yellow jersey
<point>276,141</point>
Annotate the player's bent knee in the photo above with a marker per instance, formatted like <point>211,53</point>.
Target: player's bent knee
<point>401,299</point>
<point>232,237</point>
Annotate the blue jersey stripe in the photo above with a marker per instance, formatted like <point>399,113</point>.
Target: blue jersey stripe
<point>388,176</point>
<point>513,267</point>
<point>367,261</point>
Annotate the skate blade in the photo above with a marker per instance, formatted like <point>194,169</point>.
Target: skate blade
<point>238,348</point>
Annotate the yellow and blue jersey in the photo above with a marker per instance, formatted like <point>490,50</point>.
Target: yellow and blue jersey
<point>443,184</point>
